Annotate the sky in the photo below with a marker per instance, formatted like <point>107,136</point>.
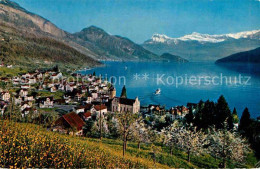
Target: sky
<point>138,20</point>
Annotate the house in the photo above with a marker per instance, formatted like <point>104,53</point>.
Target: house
<point>16,81</point>
<point>156,109</point>
<point>23,92</point>
<point>97,109</point>
<point>56,76</point>
<point>125,105</point>
<point>94,94</point>
<point>25,105</point>
<point>17,100</point>
<point>71,122</point>
<point>29,98</point>
<point>78,96</point>
<point>27,110</point>
<point>25,87</point>
<point>45,102</point>
<point>61,87</point>
<point>70,87</point>
<point>86,115</point>
<point>83,108</point>
<point>5,96</point>
<point>53,89</point>
<point>32,80</point>
<point>89,98</point>
<point>4,79</point>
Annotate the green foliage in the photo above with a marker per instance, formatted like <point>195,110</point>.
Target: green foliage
<point>4,71</point>
<point>245,120</point>
<point>56,95</point>
<point>27,49</point>
<point>123,93</point>
<point>223,113</point>
<point>235,116</point>
<point>209,113</point>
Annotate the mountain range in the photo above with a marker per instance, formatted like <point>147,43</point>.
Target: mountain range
<point>27,38</point>
<point>204,47</point>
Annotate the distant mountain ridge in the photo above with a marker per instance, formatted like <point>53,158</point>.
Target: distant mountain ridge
<point>204,47</point>
<point>173,58</point>
<point>204,38</point>
<point>252,56</point>
<point>113,46</point>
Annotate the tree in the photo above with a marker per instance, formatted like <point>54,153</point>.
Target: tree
<point>189,117</point>
<point>140,133</point>
<point>126,122</point>
<point>171,139</point>
<point>198,115</point>
<point>208,115</point>
<point>123,93</point>
<point>223,113</point>
<point>87,127</point>
<point>189,140</point>
<point>235,116</point>
<point>155,150</point>
<point>245,120</point>
<point>227,145</point>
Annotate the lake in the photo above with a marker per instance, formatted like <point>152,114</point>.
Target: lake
<point>186,82</point>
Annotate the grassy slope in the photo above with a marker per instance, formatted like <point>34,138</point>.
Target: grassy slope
<point>26,145</point>
<point>41,148</point>
<point>27,49</point>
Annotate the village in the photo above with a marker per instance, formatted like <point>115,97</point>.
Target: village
<point>75,98</point>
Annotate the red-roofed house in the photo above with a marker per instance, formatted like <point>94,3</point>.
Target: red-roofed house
<point>70,122</point>
<point>99,108</point>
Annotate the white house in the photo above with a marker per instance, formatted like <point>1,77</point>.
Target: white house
<point>5,96</point>
<point>32,80</point>
<point>99,108</point>
<point>45,102</point>
<point>23,92</point>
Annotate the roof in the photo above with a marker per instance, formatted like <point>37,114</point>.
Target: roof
<point>87,114</point>
<point>74,120</point>
<point>100,107</point>
<point>86,107</point>
<point>126,101</point>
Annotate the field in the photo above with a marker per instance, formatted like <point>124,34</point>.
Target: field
<point>28,145</point>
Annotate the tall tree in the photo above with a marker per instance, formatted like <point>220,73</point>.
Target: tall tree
<point>189,117</point>
<point>227,145</point>
<point>198,114</point>
<point>189,140</point>
<point>123,93</point>
<point>223,113</point>
<point>245,121</point>
<point>208,114</point>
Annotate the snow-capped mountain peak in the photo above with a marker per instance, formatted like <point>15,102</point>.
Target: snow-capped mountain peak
<point>205,38</point>
<point>160,38</point>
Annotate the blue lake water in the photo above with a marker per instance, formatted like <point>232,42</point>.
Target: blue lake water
<point>188,82</point>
